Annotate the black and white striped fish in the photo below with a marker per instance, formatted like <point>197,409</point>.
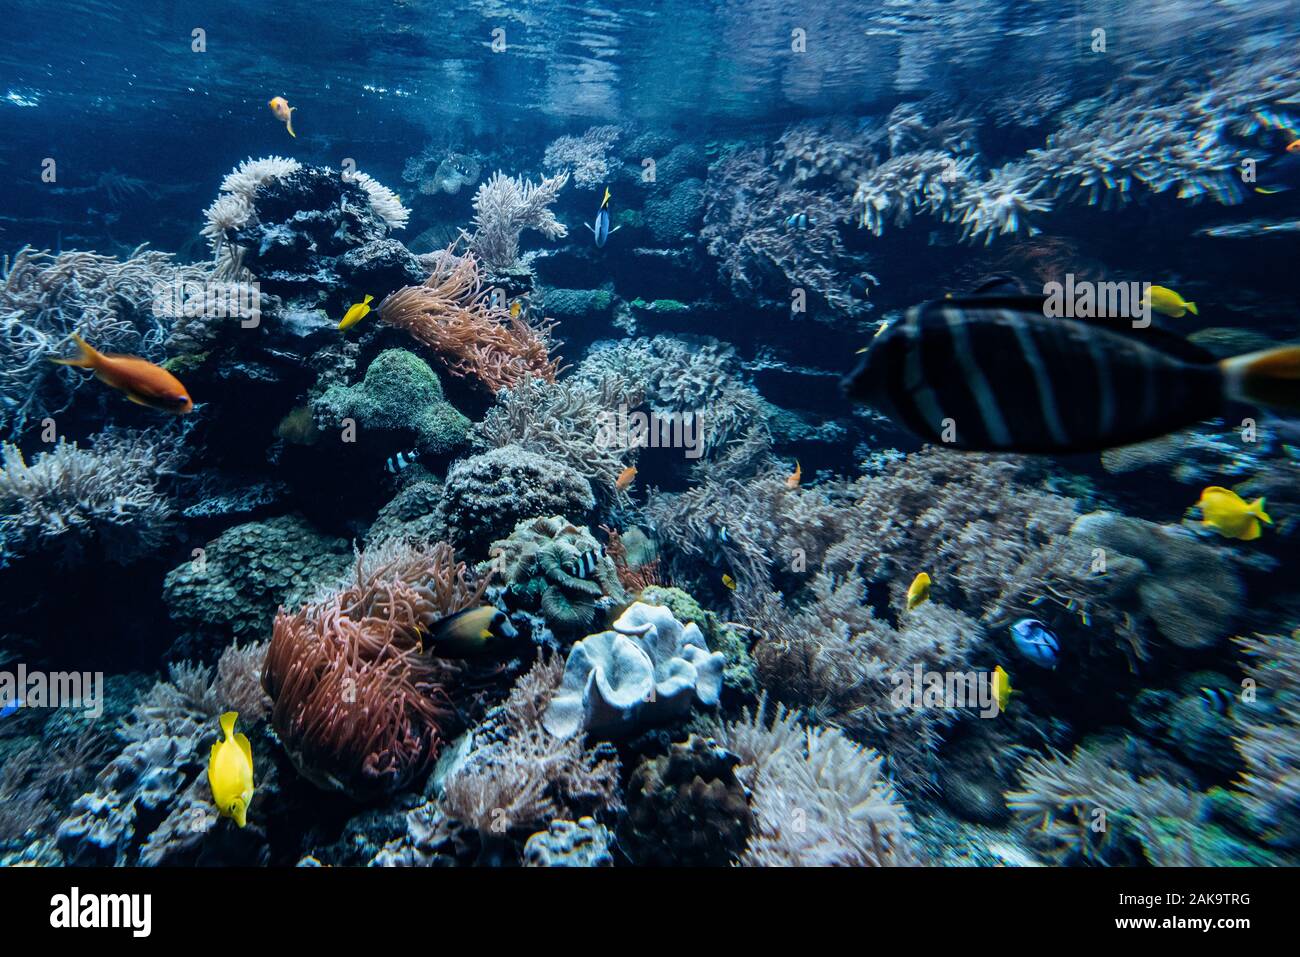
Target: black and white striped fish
<point>400,462</point>
<point>995,373</point>
<point>584,566</point>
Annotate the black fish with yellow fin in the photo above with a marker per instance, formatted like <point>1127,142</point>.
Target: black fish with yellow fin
<point>472,633</point>
<point>993,372</point>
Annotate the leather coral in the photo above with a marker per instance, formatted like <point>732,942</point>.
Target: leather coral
<point>358,706</point>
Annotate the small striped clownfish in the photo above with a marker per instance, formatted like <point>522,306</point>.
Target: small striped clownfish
<point>993,372</point>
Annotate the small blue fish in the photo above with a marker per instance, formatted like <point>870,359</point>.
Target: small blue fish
<point>1036,642</point>
<point>800,221</point>
<point>11,707</point>
<point>601,230</point>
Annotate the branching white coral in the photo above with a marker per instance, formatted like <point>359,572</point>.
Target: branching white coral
<point>505,206</point>
<point>585,156</point>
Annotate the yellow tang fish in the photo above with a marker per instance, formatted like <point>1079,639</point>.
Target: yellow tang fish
<point>1168,303</point>
<point>230,772</point>
<point>1228,513</point>
<point>729,581</point>
<point>919,591</point>
<point>356,312</point>
<point>283,112</point>
<point>1001,687</point>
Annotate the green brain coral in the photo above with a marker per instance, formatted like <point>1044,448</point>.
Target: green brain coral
<point>399,391</point>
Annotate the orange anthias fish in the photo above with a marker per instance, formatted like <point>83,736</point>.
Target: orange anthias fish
<point>792,480</point>
<point>625,478</point>
<point>1293,146</point>
<point>283,112</point>
<point>143,382</point>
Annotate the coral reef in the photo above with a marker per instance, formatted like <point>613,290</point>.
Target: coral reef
<point>151,804</point>
<point>485,496</point>
<point>545,563</point>
<point>585,156</point>
<point>100,501</point>
<point>649,669</point>
<point>1268,735</point>
<point>235,583</point>
<point>117,305</point>
<point>401,394</point>
<point>518,776</point>
<point>687,808</point>
<point>818,799</point>
<point>561,420</point>
<point>357,706</point>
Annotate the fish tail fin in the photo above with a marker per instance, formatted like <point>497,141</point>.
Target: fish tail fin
<point>605,202</point>
<point>1270,377</point>
<point>86,357</point>
<point>228,723</point>
<point>1257,509</point>
<point>369,299</point>
<point>288,122</point>
<point>1191,307</point>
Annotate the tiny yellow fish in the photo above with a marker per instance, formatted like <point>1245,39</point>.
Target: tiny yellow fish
<point>1001,688</point>
<point>356,312</point>
<point>919,591</point>
<point>1168,303</point>
<point>625,478</point>
<point>792,480</point>
<point>728,581</point>
<point>230,771</point>
<point>283,112</point>
<point>516,308</point>
<point>1228,513</point>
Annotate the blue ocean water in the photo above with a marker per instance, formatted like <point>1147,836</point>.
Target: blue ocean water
<point>468,401</point>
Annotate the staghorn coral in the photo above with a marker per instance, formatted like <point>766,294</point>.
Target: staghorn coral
<point>117,305</point>
<point>71,501</point>
<point>543,562</point>
<point>504,207</point>
<point>399,393</point>
<point>485,496</point>
<point>585,156</point>
<point>649,669</point>
<point>357,706</point>
<point>454,316</point>
<point>818,799</point>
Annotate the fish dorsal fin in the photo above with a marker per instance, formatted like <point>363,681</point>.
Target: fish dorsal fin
<point>1152,336</point>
